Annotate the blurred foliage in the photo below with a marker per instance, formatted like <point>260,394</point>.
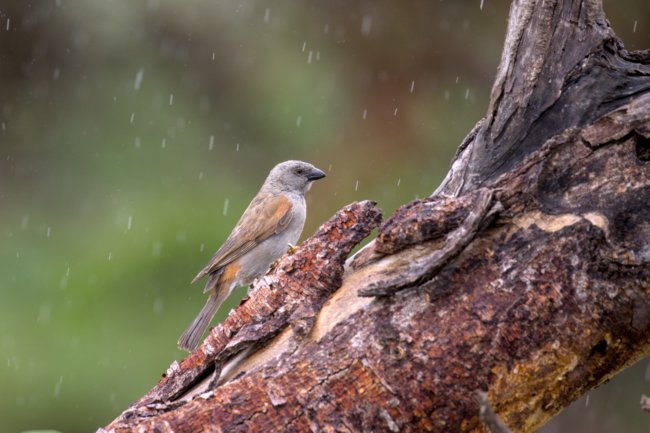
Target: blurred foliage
<point>133,134</point>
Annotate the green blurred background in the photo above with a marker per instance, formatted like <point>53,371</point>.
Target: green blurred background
<point>133,134</point>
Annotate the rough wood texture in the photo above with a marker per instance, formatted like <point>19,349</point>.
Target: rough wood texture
<point>291,295</point>
<point>562,67</point>
<point>402,270</point>
<point>527,276</point>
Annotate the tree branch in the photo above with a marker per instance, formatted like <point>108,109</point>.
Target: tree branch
<point>537,301</point>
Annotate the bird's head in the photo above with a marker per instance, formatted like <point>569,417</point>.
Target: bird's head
<point>294,176</point>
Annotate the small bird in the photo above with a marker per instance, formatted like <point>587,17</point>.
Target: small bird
<point>271,224</point>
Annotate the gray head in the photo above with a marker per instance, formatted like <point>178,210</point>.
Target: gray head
<point>293,176</point>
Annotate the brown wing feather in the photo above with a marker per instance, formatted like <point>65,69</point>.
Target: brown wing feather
<point>263,218</point>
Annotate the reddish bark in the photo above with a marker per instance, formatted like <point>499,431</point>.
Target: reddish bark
<point>529,279</point>
<point>291,295</point>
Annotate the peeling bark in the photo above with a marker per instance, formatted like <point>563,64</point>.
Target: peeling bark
<point>420,263</point>
<point>526,275</point>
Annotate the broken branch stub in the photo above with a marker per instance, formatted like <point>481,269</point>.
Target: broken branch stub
<point>413,224</point>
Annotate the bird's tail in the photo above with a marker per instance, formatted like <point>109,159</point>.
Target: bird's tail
<point>192,335</point>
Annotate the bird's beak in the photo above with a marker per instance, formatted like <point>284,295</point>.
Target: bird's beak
<point>315,175</point>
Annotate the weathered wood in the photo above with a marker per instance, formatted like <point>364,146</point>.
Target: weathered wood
<point>534,302</point>
<point>562,67</point>
<point>421,262</point>
<point>544,307</point>
<point>289,296</point>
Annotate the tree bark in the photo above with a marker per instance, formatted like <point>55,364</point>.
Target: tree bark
<point>526,275</point>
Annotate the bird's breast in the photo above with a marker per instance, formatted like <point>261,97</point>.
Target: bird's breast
<point>257,261</point>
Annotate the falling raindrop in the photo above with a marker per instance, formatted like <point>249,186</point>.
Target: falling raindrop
<point>399,180</point>
<point>612,292</point>
<point>200,175</point>
<point>110,255</point>
<point>298,120</point>
<point>412,86</point>
<point>8,24</point>
<point>171,98</point>
<point>356,185</point>
<point>163,143</point>
<point>138,79</point>
<point>329,168</point>
<point>317,56</point>
<point>44,313</point>
<point>481,6</point>
<point>156,248</point>
<point>365,114</point>
<point>129,222</point>
<point>49,231</point>
<point>395,112</point>
<point>309,56</point>
<point>587,400</point>
<point>57,387</point>
<point>213,55</point>
<point>467,93</point>
<point>132,118</point>
<point>304,46</point>
<point>366,25</point>
<point>237,147</point>
<point>457,79</point>
<point>158,306</point>
<point>201,247</point>
<point>211,143</point>
<point>225,206</point>
<point>267,15</point>
<point>634,26</point>
<point>136,142</point>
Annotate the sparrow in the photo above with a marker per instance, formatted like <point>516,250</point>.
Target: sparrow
<point>270,225</point>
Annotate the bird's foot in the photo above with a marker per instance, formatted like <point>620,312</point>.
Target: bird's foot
<point>292,249</point>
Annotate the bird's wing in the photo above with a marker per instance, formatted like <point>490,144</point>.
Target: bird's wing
<point>263,218</point>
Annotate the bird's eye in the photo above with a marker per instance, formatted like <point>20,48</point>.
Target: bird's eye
<point>300,171</point>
